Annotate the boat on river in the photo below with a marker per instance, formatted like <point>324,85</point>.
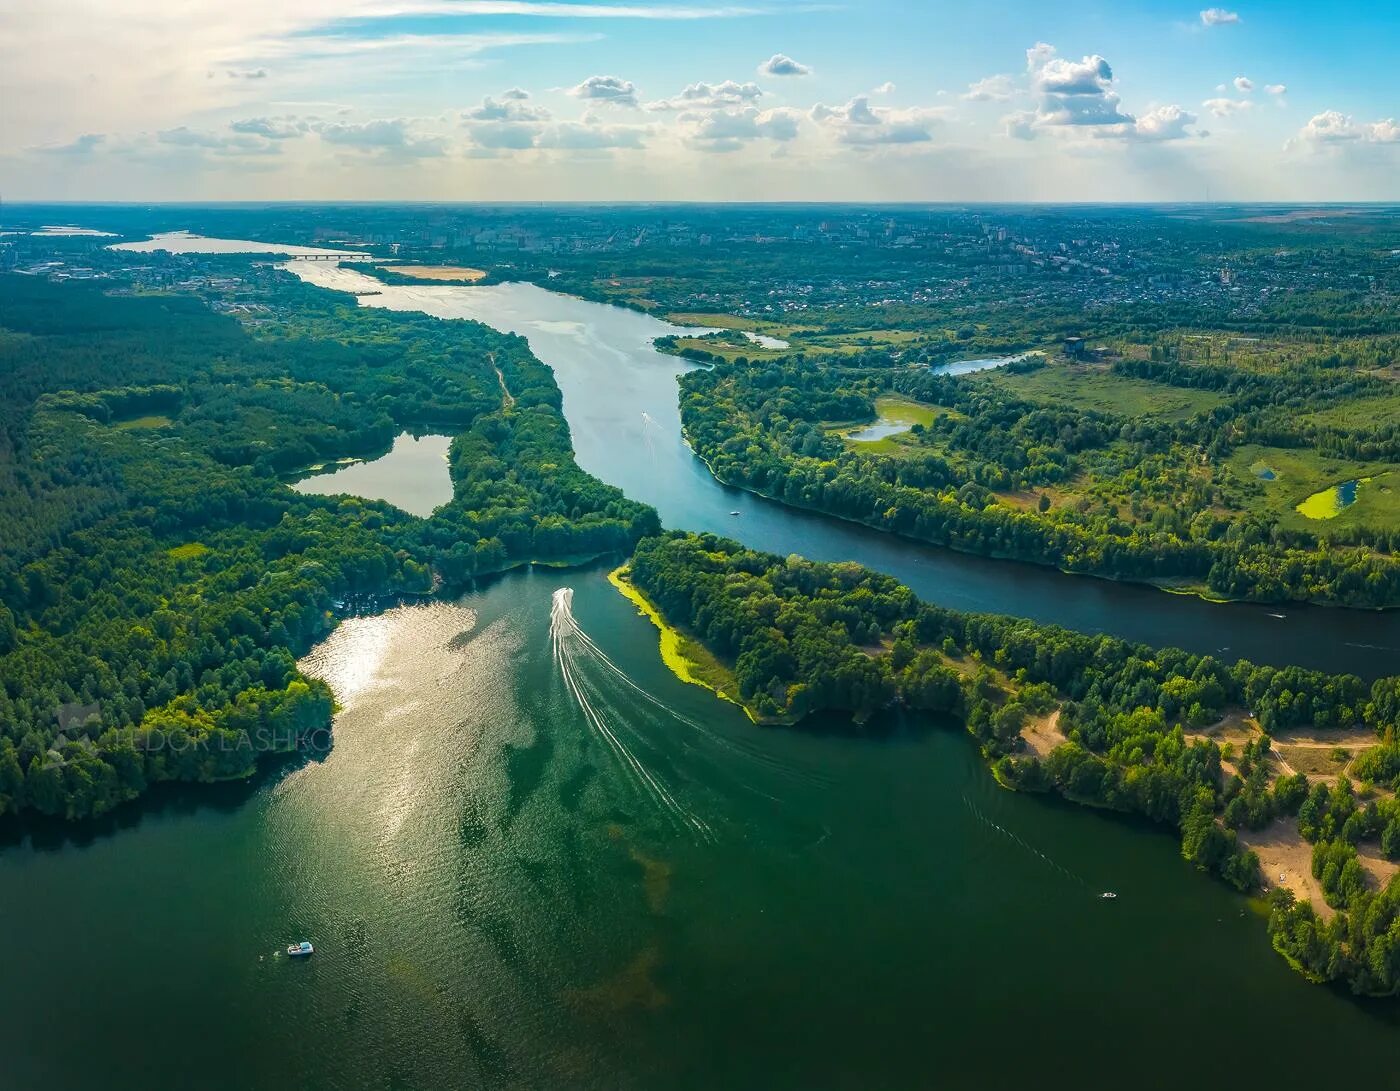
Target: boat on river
<point>300,950</point>
<point>1108,894</point>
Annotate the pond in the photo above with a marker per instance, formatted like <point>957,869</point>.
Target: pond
<point>412,476</point>
<point>1331,502</point>
<point>968,367</point>
<point>764,341</point>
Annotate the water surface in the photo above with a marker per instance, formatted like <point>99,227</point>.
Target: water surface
<point>621,401</point>
<point>533,858</point>
<point>413,475</point>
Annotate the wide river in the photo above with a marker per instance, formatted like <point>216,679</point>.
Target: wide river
<point>533,858</point>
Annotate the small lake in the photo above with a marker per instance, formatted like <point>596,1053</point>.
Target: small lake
<point>762,340</point>
<point>967,367</point>
<point>881,429</point>
<point>1329,503</point>
<point>183,242</point>
<point>412,476</point>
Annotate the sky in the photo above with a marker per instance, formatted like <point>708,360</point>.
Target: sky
<point>697,100</point>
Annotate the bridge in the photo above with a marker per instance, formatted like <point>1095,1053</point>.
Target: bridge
<point>347,256</point>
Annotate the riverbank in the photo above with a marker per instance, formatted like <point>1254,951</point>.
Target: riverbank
<point>685,657</point>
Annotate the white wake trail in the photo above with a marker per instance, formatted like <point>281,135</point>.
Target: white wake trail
<point>569,643</point>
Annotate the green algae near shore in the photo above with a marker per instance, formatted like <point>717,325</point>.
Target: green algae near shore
<point>685,657</point>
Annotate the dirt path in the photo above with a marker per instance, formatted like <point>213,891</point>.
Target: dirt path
<point>507,398</point>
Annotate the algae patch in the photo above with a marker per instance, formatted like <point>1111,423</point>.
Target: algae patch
<point>687,658</point>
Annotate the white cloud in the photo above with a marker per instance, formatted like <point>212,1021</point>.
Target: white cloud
<point>1073,93</point>
<point>1217,17</point>
<point>390,137</point>
<point>886,88</point>
<point>1225,107</point>
<point>780,64</point>
<point>83,145</point>
<point>613,90</point>
<point>1244,85</point>
<point>989,89</point>
<point>729,130</point>
<point>1277,88</point>
<point>1163,123</point>
<point>859,124</point>
<point>1335,127</point>
<point>512,106</point>
<point>711,96</point>
<point>271,128</point>
<point>1083,95</point>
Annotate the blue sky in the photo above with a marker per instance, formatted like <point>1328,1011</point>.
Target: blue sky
<point>698,99</point>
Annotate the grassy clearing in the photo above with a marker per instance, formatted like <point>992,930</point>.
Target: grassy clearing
<point>1301,475</point>
<point>729,351</point>
<point>138,423</point>
<point>1362,414</point>
<point>1088,386</point>
<point>891,409</point>
<point>188,551</point>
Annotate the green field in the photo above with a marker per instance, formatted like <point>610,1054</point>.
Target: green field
<point>892,409</point>
<point>1095,388</point>
<point>1301,474</point>
<point>1360,413</point>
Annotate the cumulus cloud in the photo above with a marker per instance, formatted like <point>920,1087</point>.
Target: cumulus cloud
<point>1277,88</point>
<point>859,124</point>
<point>511,106</point>
<point>1073,92</point>
<point>729,130</point>
<point>710,96</point>
<point>989,89</point>
<point>886,88</point>
<point>780,64</point>
<point>83,145</point>
<point>1244,85</point>
<point>391,137</point>
<point>612,90</point>
<point>1163,123</point>
<point>1334,127</point>
<point>1225,107</point>
<point>1082,95</point>
<point>1218,17</point>
<point>271,128</point>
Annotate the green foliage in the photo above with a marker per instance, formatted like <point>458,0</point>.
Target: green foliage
<point>156,583</point>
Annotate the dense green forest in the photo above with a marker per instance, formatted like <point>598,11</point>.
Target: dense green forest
<point>803,636</point>
<point>157,577</point>
<point>1158,466</point>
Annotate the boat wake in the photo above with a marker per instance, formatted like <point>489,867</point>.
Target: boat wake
<point>977,813</point>
<point>573,650</point>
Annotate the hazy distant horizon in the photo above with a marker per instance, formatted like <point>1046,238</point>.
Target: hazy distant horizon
<point>886,101</point>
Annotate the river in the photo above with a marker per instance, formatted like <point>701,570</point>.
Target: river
<point>534,858</point>
<point>621,401</point>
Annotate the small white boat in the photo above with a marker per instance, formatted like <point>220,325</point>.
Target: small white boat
<point>733,513</point>
<point>300,950</point>
<point>1108,894</point>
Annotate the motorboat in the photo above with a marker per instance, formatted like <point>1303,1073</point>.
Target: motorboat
<point>300,950</point>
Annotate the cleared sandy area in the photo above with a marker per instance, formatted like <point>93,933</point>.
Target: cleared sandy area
<point>1043,734</point>
<point>439,272</point>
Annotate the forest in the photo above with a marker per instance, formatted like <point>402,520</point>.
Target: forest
<point>1079,466</point>
<point>158,579</point>
<point>803,636</point>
